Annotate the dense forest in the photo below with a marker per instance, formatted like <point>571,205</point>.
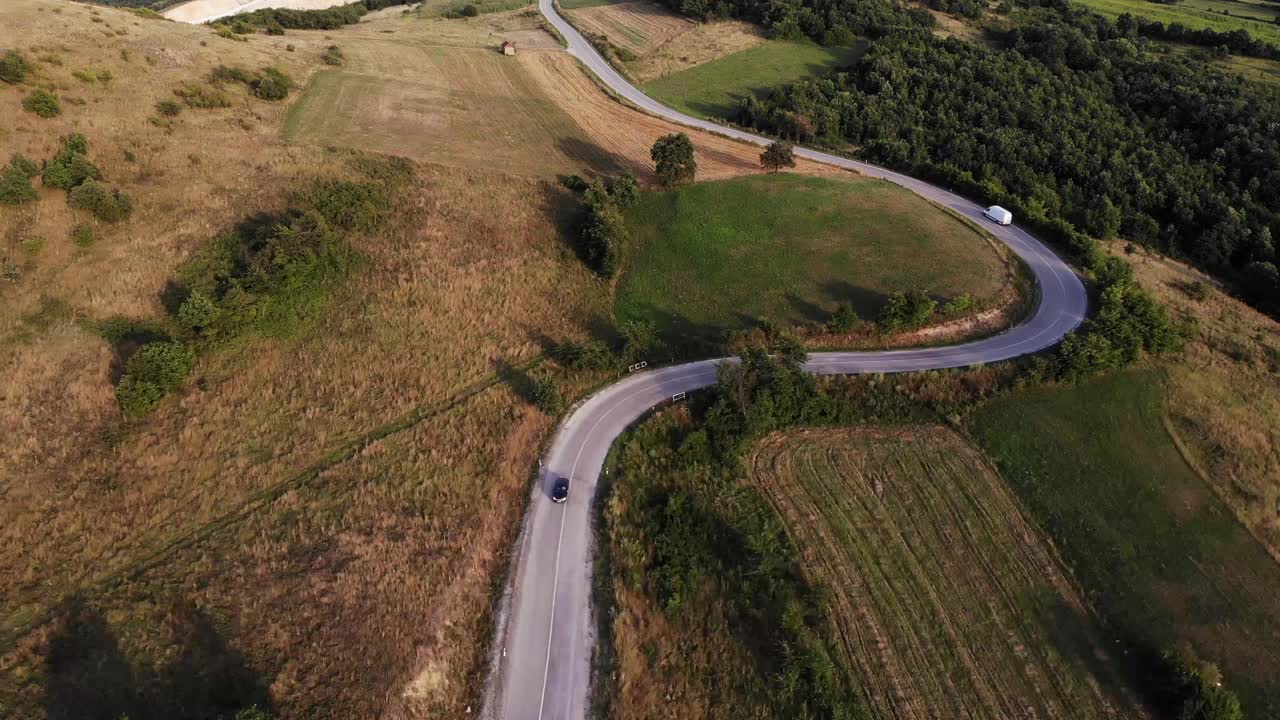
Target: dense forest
<point>1064,116</point>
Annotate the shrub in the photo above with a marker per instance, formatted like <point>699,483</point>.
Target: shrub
<point>271,84</point>
<point>15,181</point>
<point>154,371</point>
<point>347,205</point>
<point>601,239</point>
<point>13,67</point>
<point>546,396</point>
<point>590,355</point>
<point>223,73</point>
<point>843,320</point>
<point>198,312</point>
<point>71,166</point>
<point>624,191</point>
<point>202,97</point>
<point>574,182</point>
<point>470,11</point>
<point>906,310</point>
<point>106,205</point>
<point>273,27</point>
<point>333,55</point>
<point>42,103</point>
<point>639,337</point>
<point>962,304</point>
<point>168,108</point>
<point>82,235</point>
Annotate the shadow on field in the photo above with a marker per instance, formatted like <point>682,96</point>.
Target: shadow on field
<point>1076,638</point>
<point>866,301</point>
<point>90,676</point>
<point>597,160</point>
<point>515,378</point>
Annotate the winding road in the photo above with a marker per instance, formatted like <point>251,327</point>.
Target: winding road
<point>542,656</point>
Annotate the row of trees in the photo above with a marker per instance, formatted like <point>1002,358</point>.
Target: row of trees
<point>276,20</point>
<point>1074,123</point>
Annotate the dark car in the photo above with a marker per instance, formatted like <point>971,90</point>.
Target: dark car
<point>560,491</point>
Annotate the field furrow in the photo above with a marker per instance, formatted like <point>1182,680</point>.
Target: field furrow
<point>944,601</point>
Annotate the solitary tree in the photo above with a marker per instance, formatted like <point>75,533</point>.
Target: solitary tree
<point>777,156</point>
<point>673,157</point>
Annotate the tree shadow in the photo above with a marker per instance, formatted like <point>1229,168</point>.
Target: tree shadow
<point>516,379</point>
<point>1078,641</point>
<point>596,159</point>
<point>865,301</point>
<point>90,676</point>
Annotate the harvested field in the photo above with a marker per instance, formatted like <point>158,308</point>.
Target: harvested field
<point>945,601</point>
<point>467,107</point>
<point>639,26</point>
<point>629,134</point>
<point>704,43</point>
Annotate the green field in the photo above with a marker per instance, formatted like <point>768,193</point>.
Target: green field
<point>1191,14</point>
<point>718,256</point>
<point>713,89</point>
<point>1160,556</point>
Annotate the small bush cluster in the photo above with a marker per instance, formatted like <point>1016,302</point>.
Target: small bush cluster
<point>268,83</point>
<point>13,67</point>
<point>42,103</point>
<point>1128,323</point>
<point>604,231</point>
<point>91,76</point>
<point>104,203</point>
<point>202,97</point>
<point>168,108</point>
<point>154,371</point>
<point>1193,688</point>
<point>843,320</point>
<point>907,310</point>
<point>82,235</point>
<point>333,56</point>
<point>15,181</point>
<point>71,166</point>
<point>345,205</point>
<point>590,355</point>
<point>546,396</point>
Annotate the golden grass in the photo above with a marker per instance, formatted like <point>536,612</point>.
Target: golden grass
<point>1224,393</point>
<point>944,600</point>
<point>639,25</point>
<point>702,44</point>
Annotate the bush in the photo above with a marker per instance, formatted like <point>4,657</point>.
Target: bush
<point>601,239</point>
<point>590,355</point>
<point>224,73</point>
<point>42,103</point>
<point>71,166</point>
<point>13,67</point>
<point>347,205</point>
<point>168,108</point>
<point>962,304</point>
<point>271,84</point>
<point>624,191</point>
<point>574,182</point>
<point>202,97</point>
<point>546,396</point>
<point>333,55</point>
<point>470,11</point>
<point>154,371</point>
<point>82,235</point>
<point>106,205</point>
<point>198,312</point>
<point>639,337</point>
<point>15,181</point>
<point>906,310</point>
<point>843,320</point>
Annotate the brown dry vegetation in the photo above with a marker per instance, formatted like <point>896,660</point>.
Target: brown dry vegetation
<point>1223,393</point>
<point>704,43</point>
<point>944,599</point>
<point>639,26</point>
<point>352,592</point>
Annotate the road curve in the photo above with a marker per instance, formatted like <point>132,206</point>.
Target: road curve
<point>541,664</point>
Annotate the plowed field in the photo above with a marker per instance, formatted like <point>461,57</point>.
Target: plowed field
<point>945,602</point>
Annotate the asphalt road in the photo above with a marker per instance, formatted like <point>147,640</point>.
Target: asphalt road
<point>541,667</point>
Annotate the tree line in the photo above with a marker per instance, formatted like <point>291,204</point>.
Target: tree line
<point>1075,123</point>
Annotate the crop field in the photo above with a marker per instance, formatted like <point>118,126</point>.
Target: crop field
<point>944,599</point>
<point>713,257</point>
<point>1160,556</point>
<point>452,8</point>
<point>639,26</point>
<point>1190,15</point>
<point>458,106</point>
<point>712,89</point>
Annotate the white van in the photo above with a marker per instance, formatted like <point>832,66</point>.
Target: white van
<point>999,215</point>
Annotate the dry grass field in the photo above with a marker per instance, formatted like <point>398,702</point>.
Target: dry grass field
<point>639,26</point>
<point>944,599</point>
<point>1223,393</point>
